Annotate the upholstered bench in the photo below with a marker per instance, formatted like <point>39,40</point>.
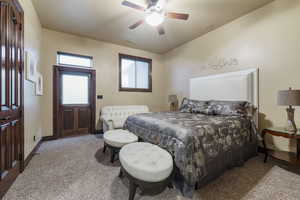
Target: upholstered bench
<point>114,117</point>
<point>147,166</point>
<point>116,139</point>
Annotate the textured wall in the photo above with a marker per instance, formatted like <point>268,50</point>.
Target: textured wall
<point>106,63</point>
<point>267,38</point>
<point>32,103</point>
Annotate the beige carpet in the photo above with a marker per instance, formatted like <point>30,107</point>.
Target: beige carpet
<point>278,184</point>
<point>76,169</point>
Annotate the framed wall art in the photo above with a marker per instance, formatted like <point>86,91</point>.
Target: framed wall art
<point>30,66</point>
<point>39,84</point>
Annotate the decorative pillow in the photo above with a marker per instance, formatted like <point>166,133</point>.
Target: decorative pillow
<point>185,105</point>
<point>195,106</point>
<point>251,110</point>
<point>234,108</point>
<point>202,108</point>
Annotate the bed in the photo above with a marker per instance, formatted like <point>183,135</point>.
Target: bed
<point>205,144</point>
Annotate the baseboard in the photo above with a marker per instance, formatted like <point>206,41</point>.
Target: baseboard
<point>48,138</point>
<point>29,157</point>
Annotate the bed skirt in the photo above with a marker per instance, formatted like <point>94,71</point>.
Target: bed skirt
<point>215,168</point>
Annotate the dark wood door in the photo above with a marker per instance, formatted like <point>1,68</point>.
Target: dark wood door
<point>74,101</point>
<point>11,93</point>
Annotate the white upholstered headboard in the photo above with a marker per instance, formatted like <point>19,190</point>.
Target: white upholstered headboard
<point>233,86</point>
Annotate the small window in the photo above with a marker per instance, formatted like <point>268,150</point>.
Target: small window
<point>74,60</point>
<point>135,74</point>
<point>75,89</point>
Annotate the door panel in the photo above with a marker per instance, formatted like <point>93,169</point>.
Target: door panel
<point>76,120</point>
<point>4,150</point>
<point>16,147</point>
<point>83,118</point>
<point>11,93</point>
<point>68,120</point>
<point>10,146</point>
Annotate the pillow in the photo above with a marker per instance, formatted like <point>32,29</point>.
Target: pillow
<point>231,108</point>
<point>251,110</point>
<point>203,109</point>
<point>185,105</point>
<point>195,106</point>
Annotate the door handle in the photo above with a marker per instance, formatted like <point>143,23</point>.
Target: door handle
<point>5,118</point>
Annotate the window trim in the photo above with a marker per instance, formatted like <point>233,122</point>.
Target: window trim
<point>74,55</point>
<point>135,58</point>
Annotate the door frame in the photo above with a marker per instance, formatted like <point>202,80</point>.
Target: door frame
<point>57,69</point>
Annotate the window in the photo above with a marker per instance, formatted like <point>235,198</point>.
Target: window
<point>74,60</point>
<point>135,74</point>
<point>75,89</point>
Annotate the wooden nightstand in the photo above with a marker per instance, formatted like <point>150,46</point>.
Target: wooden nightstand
<point>292,158</point>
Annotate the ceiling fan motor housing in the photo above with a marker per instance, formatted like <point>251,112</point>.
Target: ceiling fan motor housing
<point>157,5</point>
<point>152,2</point>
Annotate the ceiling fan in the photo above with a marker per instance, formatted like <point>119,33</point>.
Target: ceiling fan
<point>155,14</point>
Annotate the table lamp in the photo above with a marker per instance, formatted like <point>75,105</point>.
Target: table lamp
<point>174,102</point>
<point>289,98</point>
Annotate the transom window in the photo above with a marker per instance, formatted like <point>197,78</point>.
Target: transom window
<point>135,74</point>
<point>74,60</point>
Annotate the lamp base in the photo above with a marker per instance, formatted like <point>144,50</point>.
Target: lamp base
<point>291,125</point>
<point>173,107</point>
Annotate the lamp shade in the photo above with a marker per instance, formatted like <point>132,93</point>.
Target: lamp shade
<point>173,98</point>
<point>289,97</point>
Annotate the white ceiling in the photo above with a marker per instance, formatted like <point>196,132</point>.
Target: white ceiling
<point>108,20</point>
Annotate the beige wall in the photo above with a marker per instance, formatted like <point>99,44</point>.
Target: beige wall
<point>107,68</point>
<point>32,103</point>
<point>268,38</point>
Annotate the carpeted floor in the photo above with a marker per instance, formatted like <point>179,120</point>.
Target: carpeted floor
<point>76,169</point>
<point>278,184</point>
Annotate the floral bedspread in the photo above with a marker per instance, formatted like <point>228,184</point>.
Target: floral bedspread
<point>193,139</point>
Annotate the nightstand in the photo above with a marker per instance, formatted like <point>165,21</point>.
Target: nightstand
<point>292,158</point>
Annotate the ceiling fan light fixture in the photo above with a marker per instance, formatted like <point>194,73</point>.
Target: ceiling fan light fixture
<point>155,14</point>
<point>155,19</point>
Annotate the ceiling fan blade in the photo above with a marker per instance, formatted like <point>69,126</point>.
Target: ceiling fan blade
<point>133,26</point>
<point>177,15</point>
<point>133,5</point>
<point>161,30</point>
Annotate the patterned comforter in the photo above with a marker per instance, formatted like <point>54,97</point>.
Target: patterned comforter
<point>194,139</point>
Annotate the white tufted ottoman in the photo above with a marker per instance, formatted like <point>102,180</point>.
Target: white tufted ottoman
<point>147,166</point>
<point>116,139</point>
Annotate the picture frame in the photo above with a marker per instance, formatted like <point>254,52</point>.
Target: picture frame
<point>39,85</point>
<point>30,67</point>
